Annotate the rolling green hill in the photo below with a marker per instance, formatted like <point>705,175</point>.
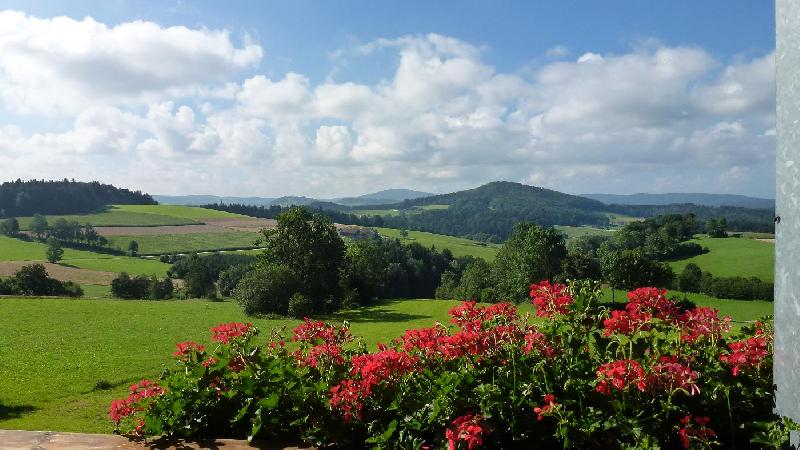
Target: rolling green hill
<point>458,246</point>
<point>733,257</point>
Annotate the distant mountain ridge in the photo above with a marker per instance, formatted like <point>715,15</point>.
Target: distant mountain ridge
<point>375,198</point>
<point>701,199</point>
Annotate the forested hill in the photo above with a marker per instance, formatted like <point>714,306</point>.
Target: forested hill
<point>684,198</point>
<point>26,198</point>
<point>493,209</point>
<point>490,212</point>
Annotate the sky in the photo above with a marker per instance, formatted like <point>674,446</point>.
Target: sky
<point>331,99</point>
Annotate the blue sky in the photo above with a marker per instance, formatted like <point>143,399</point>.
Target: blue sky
<point>340,98</point>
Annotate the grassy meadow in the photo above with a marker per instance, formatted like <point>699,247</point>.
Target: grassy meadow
<point>733,257</point>
<point>52,362</point>
<point>158,244</point>
<point>193,213</point>
<point>572,232</point>
<point>459,246</point>
<point>115,217</point>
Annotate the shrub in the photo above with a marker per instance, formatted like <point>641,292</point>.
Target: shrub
<point>230,277</point>
<point>647,376</point>
<point>690,278</point>
<point>300,306</point>
<point>34,280</point>
<point>267,289</point>
<point>141,287</point>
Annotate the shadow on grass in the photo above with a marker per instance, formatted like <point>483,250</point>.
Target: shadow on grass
<point>15,411</point>
<point>376,314</point>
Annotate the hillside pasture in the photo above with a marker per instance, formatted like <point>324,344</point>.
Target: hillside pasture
<point>115,217</point>
<point>62,272</point>
<point>573,232</point>
<point>55,366</point>
<point>728,257</point>
<point>458,246</point>
<point>159,244</point>
<point>178,211</point>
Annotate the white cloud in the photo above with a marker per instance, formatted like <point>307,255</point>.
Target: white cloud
<point>62,65</point>
<point>657,117</point>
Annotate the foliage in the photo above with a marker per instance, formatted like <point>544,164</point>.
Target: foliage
<point>133,248</point>
<point>54,251</point>
<point>531,255</point>
<point>308,245</point>
<point>34,280</point>
<point>267,289</point>
<point>25,198</point>
<point>717,228</point>
<point>9,227</point>
<point>649,376</point>
<point>230,278</point>
<point>300,306</point>
<point>629,269</point>
<point>141,287</point>
<point>386,268</point>
<point>199,278</point>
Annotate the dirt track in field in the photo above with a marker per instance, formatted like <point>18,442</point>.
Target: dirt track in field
<point>63,273</point>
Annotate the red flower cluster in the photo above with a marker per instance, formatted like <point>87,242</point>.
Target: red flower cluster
<point>187,349</point>
<point>669,374</point>
<point>326,341</point>
<point>746,353</point>
<point>627,323</point>
<point>652,301</point>
<point>620,375</point>
<point>702,321</point>
<point>484,331</point>
<point>348,398</point>
<point>227,332</point>
<point>688,432</point>
<point>371,369</point>
<point>549,404</point>
<point>536,341</point>
<point>471,317</point>
<point>122,408</point>
<point>550,299</point>
<point>466,428</point>
<point>317,332</point>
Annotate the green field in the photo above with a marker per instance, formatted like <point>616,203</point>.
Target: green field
<point>377,212</point>
<point>12,249</point>
<point>459,246</point>
<point>50,359</point>
<point>134,266</point>
<point>733,257</point>
<point>183,212</point>
<point>572,232</point>
<point>618,220</point>
<point>139,215</point>
<point>115,217</point>
<point>159,244</point>
<point>18,250</point>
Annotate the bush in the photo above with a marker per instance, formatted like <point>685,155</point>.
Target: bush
<point>141,287</point>
<point>300,306</point>
<point>267,289</point>
<point>690,278</point>
<point>648,376</point>
<point>230,277</point>
<point>740,288</point>
<point>34,280</point>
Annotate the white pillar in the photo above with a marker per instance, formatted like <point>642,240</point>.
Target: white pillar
<point>787,244</point>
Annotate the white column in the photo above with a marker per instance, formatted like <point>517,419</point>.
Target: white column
<point>787,244</point>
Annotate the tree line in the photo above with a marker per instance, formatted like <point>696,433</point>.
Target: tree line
<point>26,198</point>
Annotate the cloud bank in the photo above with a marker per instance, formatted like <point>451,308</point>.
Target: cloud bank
<point>182,110</point>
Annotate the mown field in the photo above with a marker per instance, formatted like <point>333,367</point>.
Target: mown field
<point>51,361</point>
<point>158,244</point>
<point>733,257</point>
<point>459,246</point>
<point>140,215</point>
<point>572,232</point>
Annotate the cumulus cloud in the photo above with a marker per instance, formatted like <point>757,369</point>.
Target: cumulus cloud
<point>654,118</point>
<point>62,65</point>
